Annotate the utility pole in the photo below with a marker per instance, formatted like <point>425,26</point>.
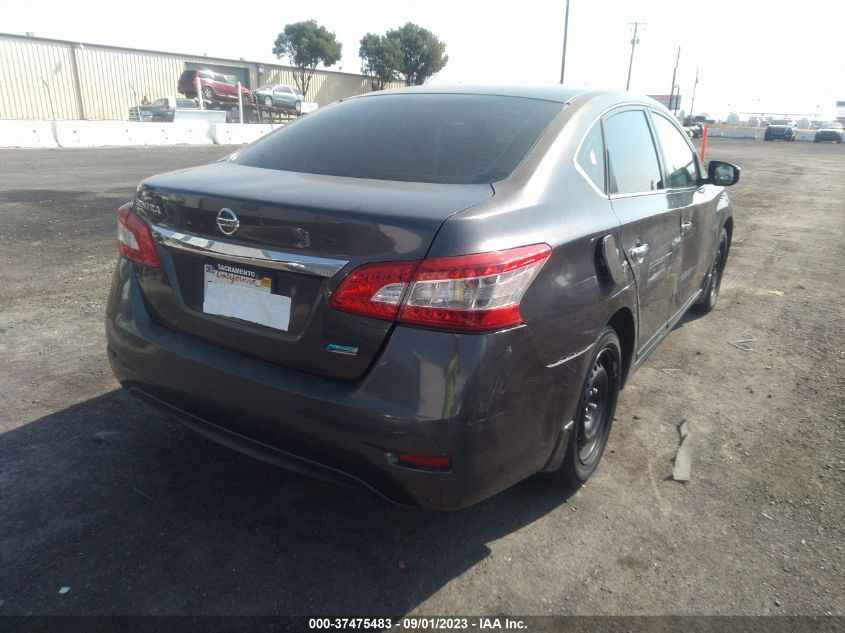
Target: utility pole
<point>672,91</point>
<point>692,103</point>
<point>634,42</point>
<point>565,34</point>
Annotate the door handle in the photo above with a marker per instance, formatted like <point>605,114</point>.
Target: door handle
<point>638,252</point>
<point>686,225</point>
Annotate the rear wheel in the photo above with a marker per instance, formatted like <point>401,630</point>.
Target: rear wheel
<point>208,93</point>
<point>594,416</point>
<point>711,291</point>
<point>268,101</point>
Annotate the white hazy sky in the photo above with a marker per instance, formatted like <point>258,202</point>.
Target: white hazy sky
<point>752,55</point>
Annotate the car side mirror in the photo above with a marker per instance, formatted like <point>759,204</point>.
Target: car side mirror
<point>722,174</point>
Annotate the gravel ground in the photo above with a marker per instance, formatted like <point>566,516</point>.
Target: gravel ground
<point>136,515</point>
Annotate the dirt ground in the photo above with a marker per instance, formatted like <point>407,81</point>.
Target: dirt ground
<point>136,515</point>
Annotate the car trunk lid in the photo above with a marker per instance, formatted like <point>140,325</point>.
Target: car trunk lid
<point>294,237</point>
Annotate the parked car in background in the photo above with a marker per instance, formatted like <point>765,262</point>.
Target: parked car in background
<point>780,128</point>
<point>694,128</point>
<point>280,96</point>
<point>829,131</point>
<point>214,87</point>
<point>161,110</point>
<point>433,291</point>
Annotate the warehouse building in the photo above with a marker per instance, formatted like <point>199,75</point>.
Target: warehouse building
<point>55,79</point>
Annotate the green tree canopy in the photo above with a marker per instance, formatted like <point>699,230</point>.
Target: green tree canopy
<point>382,58</point>
<point>307,44</point>
<point>423,54</point>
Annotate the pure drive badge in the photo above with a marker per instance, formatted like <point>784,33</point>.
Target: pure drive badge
<point>342,349</point>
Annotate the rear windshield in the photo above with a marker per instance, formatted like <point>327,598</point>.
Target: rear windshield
<point>188,74</point>
<point>781,122</point>
<point>438,138</point>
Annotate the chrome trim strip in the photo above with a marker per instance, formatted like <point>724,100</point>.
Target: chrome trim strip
<point>292,262</point>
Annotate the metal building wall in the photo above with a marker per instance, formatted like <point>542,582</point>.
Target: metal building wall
<point>51,79</point>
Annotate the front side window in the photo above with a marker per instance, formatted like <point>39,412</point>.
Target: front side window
<point>678,156</point>
<point>436,138</point>
<point>160,102</point>
<point>591,156</point>
<point>632,165</point>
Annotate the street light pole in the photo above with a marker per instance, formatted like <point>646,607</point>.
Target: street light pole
<point>634,42</point>
<point>565,35</point>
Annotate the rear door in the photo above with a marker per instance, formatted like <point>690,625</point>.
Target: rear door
<point>283,96</point>
<point>696,204</point>
<point>224,87</point>
<point>650,224</point>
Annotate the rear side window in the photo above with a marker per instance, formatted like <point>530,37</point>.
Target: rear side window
<point>678,157</point>
<point>437,138</point>
<point>632,165</point>
<point>591,156</point>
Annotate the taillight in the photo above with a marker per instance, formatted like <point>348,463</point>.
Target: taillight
<point>374,290</point>
<point>135,240</point>
<point>469,292</point>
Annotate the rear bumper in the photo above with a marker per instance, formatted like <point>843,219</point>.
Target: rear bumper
<point>486,401</point>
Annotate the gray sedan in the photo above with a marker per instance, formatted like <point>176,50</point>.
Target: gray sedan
<point>434,292</point>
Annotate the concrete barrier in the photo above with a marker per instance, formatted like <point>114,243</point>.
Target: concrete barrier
<point>125,133</point>
<point>237,134</point>
<point>755,133</point>
<point>99,133</point>
<point>26,134</point>
<point>179,133</point>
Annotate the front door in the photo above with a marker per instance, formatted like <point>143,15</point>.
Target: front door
<point>650,226</point>
<point>697,206</point>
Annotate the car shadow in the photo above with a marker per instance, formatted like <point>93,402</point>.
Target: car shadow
<point>135,514</point>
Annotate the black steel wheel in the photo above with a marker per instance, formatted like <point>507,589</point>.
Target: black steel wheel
<point>594,416</point>
<point>714,282</point>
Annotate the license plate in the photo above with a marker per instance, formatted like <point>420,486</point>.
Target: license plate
<point>242,293</point>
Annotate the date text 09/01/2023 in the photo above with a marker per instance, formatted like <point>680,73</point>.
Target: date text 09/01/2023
<point>420,623</point>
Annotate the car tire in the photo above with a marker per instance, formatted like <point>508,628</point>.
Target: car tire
<point>594,415</point>
<point>714,282</point>
<point>208,93</point>
<point>268,102</point>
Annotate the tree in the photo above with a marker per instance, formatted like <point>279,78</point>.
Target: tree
<point>306,44</point>
<point>382,58</point>
<point>423,54</point>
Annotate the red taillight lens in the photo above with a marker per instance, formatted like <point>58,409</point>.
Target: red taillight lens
<point>470,292</point>
<point>473,292</point>
<point>135,241</point>
<point>423,461</point>
<point>374,290</point>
